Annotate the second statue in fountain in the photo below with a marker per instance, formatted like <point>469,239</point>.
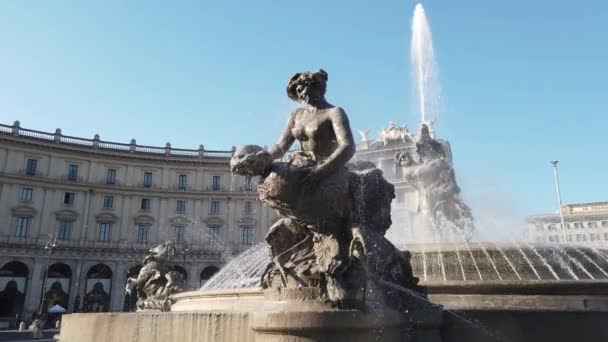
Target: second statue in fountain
<point>333,214</point>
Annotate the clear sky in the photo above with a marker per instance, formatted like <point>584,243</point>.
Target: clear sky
<point>523,82</point>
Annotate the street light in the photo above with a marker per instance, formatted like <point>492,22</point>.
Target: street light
<point>186,250</point>
<point>559,198</point>
<point>51,243</point>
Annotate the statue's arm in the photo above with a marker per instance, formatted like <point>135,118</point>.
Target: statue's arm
<point>346,143</point>
<point>286,140</point>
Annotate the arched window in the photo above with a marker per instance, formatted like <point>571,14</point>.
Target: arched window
<point>181,270</point>
<point>207,273</point>
<point>98,289</point>
<point>13,282</point>
<point>57,285</point>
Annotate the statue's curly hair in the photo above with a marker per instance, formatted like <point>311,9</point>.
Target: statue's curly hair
<point>316,79</point>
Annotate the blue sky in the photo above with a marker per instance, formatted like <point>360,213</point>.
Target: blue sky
<point>523,81</point>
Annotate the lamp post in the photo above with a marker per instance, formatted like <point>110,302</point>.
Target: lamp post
<point>51,243</point>
<point>559,199</point>
<point>186,249</point>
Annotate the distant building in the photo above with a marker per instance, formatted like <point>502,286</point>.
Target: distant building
<point>586,224</point>
<point>407,227</point>
<point>108,203</point>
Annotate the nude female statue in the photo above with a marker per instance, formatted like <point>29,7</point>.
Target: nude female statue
<point>320,198</point>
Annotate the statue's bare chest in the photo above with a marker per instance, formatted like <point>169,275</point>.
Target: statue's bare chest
<point>308,125</point>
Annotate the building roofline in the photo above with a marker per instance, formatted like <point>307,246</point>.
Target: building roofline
<point>72,143</point>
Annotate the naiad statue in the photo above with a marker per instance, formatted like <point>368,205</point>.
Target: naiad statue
<point>333,214</point>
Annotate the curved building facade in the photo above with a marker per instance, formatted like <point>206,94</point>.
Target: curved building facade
<point>85,211</point>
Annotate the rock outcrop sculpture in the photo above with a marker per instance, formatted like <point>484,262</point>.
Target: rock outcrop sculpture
<point>156,282</point>
<point>333,215</point>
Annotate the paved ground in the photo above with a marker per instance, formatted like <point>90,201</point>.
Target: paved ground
<point>25,336</point>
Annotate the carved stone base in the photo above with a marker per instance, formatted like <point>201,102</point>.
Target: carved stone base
<point>299,315</point>
<point>294,315</point>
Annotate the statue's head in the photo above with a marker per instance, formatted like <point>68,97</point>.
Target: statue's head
<point>307,87</point>
<point>161,253</point>
<point>424,132</point>
<point>250,160</point>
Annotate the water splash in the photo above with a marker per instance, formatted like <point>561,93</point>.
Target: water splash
<point>424,66</point>
<point>521,251</point>
<point>578,250</point>
<point>544,261</point>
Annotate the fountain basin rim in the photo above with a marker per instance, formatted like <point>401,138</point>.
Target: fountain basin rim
<point>520,287</point>
<point>525,287</point>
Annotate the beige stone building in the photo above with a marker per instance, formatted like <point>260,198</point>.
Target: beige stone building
<point>586,224</point>
<point>106,204</point>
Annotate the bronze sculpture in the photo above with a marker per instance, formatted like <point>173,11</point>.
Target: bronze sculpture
<point>438,193</point>
<point>156,282</point>
<point>334,214</point>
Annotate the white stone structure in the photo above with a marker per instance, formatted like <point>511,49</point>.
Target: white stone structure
<point>108,203</point>
<point>586,224</point>
<point>407,226</point>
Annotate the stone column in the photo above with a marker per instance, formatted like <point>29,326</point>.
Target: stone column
<point>162,218</point>
<point>5,215</point>
<point>126,228</point>
<point>119,280</point>
<point>76,286</point>
<point>42,228</point>
<point>34,284</point>
<point>85,215</point>
<point>33,302</point>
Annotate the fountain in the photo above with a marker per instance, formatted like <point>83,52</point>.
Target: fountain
<point>328,273</point>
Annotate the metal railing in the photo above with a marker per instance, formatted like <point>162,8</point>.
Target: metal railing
<point>96,143</point>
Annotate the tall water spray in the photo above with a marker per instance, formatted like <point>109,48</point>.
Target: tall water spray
<point>424,67</point>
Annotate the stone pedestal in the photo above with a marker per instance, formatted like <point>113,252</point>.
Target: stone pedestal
<point>249,315</point>
<point>298,315</point>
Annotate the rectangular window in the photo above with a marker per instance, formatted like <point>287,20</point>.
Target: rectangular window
<point>30,167</point>
<point>68,198</point>
<point>591,224</point>
<point>181,206</point>
<point>591,237</point>
<point>214,207</point>
<point>215,184</point>
<point>147,179</point>
<point>105,229</point>
<point>179,233</point>
<point>539,227</point>
<point>145,204</point>
<point>605,236</point>
<point>182,182</point>
<point>551,227</point>
<point>65,230</point>
<point>111,176</point>
<point>570,238</point>
<point>214,235</point>
<point>247,236</point>
<point>22,225</point>
<point>72,172</point>
<point>248,183</point>
<point>26,194</point>
<point>578,225</point>
<point>142,233</point>
<point>108,202</point>
<point>248,207</point>
<point>605,224</point>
